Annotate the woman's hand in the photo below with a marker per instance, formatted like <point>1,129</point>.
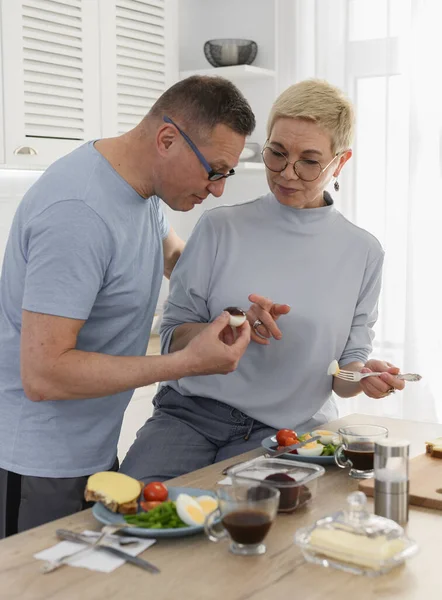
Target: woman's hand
<point>383,385</point>
<point>264,310</point>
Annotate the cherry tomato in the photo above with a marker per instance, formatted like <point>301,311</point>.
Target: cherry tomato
<point>149,505</point>
<point>155,492</point>
<point>283,434</point>
<point>288,441</point>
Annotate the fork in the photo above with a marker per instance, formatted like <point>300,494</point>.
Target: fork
<point>356,376</point>
<point>51,565</point>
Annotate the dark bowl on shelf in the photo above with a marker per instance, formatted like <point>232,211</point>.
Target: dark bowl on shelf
<point>229,52</point>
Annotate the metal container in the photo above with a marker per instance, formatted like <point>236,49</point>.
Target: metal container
<point>391,479</point>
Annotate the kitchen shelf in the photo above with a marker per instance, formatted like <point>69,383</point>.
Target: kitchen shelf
<point>235,72</point>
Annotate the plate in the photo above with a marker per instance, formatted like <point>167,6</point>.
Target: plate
<point>106,516</point>
<point>269,443</point>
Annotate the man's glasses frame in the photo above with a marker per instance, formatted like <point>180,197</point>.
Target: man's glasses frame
<point>212,175</point>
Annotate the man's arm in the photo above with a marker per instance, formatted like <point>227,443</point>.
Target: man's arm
<point>53,369</point>
<point>173,246</point>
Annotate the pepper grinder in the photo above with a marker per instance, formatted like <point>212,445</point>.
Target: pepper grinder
<point>391,479</point>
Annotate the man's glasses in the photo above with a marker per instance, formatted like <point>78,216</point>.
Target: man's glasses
<point>305,169</point>
<point>212,175</point>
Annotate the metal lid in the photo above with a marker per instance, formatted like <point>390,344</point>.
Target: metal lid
<point>392,447</point>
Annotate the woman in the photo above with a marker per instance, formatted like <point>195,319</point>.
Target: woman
<point>294,247</point>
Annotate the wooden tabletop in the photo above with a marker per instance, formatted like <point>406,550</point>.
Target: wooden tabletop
<point>196,569</point>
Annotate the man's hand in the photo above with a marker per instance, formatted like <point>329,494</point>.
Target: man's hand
<point>268,313</point>
<point>208,353</point>
<point>381,386</point>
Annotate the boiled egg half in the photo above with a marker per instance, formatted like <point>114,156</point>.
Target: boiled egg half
<point>237,316</point>
<point>312,449</point>
<point>326,436</point>
<point>189,511</point>
<point>207,503</point>
<point>333,368</point>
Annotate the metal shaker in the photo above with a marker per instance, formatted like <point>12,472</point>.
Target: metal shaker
<point>391,479</point>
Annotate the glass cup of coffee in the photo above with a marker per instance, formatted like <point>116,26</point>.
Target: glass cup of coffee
<point>244,515</point>
<point>357,449</point>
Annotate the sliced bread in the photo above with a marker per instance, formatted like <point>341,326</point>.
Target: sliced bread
<point>118,492</point>
<point>434,448</point>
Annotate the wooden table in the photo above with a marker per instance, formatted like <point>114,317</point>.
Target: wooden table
<point>196,569</point>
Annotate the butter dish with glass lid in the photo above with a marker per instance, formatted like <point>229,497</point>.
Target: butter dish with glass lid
<point>355,540</point>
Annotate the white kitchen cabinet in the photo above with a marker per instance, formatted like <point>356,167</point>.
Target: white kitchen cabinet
<point>50,78</point>
<point>75,70</point>
<point>139,58</point>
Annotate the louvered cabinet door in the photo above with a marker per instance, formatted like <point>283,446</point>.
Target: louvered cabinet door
<point>139,58</point>
<point>50,78</point>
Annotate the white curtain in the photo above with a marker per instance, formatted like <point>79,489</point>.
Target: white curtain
<point>386,55</point>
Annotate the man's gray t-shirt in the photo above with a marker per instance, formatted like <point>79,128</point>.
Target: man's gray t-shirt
<point>83,245</point>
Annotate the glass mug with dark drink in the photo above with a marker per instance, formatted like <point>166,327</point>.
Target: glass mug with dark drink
<point>357,449</point>
<point>245,514</point>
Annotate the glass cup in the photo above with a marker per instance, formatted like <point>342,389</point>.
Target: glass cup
<point>244,515</point>
<point>357,449</point>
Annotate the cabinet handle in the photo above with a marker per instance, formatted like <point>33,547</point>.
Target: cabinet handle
<point>25,150</point>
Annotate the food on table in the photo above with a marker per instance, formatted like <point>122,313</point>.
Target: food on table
<point>326,436</point>
<point>333,368</point>
<point>164,516</point>
<point>237,316</point>
<point>434,448</point>
<point>207,503</point>
<point>149,505</point>
<point>155,492</point>
<point>351,547</point>
<point>118,492</point>
<point>290,497</point>
<point>286,434</point>
<point>189,510</point>
<point>311,449</point>
<point>326,446</point>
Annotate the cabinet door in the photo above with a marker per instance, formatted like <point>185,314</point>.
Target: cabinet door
<point>50,78</point>
<point>139,58</point>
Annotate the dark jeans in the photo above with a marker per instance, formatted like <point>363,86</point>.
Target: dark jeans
<point>187,433</point>
<point>27,501</point>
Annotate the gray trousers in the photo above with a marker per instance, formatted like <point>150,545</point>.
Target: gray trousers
<point>186,433</point>
<point>27,502</point>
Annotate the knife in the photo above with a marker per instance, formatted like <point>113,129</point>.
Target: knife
<point>65,534</point>
<point>294,446</point>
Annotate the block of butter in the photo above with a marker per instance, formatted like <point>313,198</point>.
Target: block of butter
<point>118,492</point>
<point>350,547</point>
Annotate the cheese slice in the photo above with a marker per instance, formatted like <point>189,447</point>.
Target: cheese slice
<point>116,491</point>
<point>352,548</point>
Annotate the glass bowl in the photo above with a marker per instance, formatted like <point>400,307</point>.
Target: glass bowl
<point>297,482</point>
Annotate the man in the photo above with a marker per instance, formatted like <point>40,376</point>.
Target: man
<point>80,283</point>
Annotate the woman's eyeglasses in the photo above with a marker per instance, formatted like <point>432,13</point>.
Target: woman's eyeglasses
<point>212,175</point>
<point>305,169</point>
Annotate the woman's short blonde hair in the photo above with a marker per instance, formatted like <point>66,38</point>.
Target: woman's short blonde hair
<point>319,101</point>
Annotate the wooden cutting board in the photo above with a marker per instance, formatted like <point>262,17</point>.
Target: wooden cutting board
<point>425,482</point>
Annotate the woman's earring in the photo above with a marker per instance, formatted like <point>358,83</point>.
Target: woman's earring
<point>336,185</point>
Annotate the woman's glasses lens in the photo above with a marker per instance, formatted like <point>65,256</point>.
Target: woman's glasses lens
<point>307,170</point>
